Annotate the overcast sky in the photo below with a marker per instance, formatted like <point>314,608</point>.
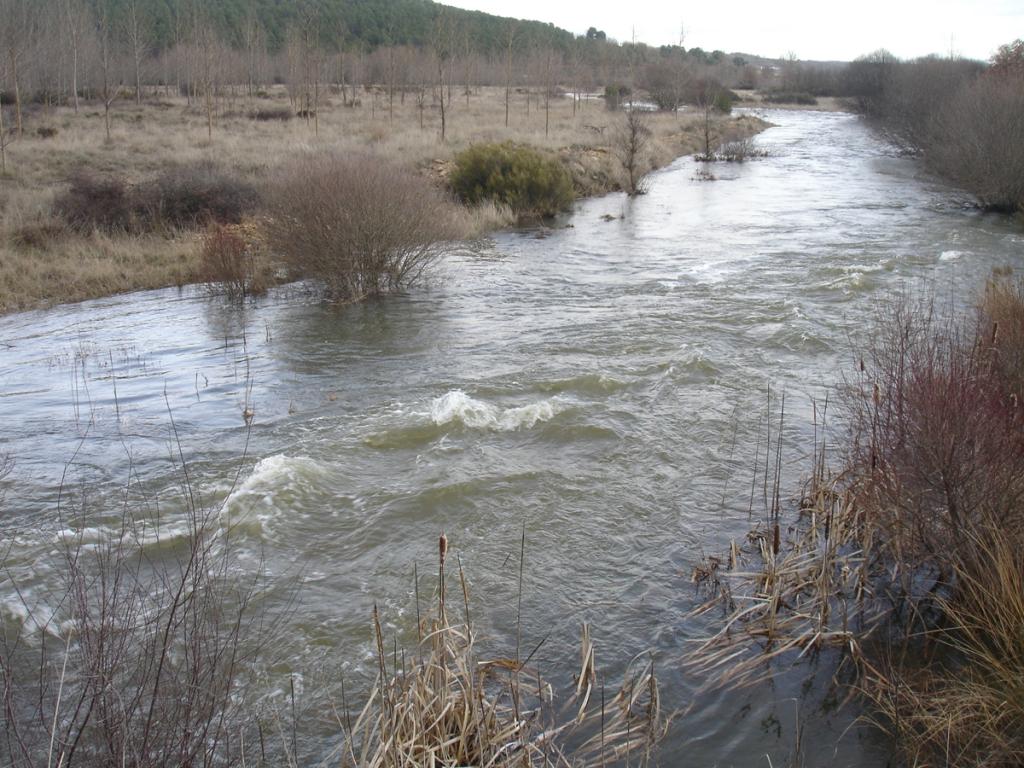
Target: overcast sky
<point>812,29</point>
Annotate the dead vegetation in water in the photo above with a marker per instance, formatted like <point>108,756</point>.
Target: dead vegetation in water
<point>444,704</point>
<point>906,565</point>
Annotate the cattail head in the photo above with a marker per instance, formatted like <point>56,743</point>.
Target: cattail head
<point>995,332</point>
<point>442,546</point>
<point>862,365</point>
<point>876,394</point>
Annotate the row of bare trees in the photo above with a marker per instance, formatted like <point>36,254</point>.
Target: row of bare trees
<point>64,51</point>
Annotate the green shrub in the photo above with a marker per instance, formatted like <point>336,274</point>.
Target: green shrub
<point>520,177</point>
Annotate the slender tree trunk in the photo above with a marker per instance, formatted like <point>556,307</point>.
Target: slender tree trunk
<point>74,67</point>
<point>17,93</point>
<point>3,143</point>
<point>440,77</point>
<point>508,80</point>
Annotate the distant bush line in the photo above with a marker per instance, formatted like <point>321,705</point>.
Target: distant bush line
<point>966,120</point>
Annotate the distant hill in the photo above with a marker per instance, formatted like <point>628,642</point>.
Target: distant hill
<point>363,23</point>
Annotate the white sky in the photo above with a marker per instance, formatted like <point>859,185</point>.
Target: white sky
<point>822,29</point>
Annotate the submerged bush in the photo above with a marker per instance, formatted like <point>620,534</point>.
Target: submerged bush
<point>358,223</point>
<point>180,198</point>
<point>231,261</point>
<point>521,178</point>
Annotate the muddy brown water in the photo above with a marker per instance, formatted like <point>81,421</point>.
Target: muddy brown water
<point>601,383</point>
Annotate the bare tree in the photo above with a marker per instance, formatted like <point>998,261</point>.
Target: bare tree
<point>16,30</point>
<point>631,141</point>
<point>75,18</point>
<point>5,140</point>
<point>110,92</point>
<point>441,42</point>
<point>253,36</point>
<point>138,43</point>
<point>510,41</point>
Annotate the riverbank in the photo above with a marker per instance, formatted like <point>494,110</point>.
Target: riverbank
<point>43,261</point>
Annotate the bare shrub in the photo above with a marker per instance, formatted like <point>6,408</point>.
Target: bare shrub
<point>937,445</point>
<point>232,262</point>
<point>739,150</point>
<point>138,660</point>
<point>95,202</point>
<point>359,223</point>
<point>192,196</point>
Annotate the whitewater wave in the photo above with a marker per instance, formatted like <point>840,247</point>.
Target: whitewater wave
<point>273,486</point>
<point>458,407</point>
<point>950,255</point>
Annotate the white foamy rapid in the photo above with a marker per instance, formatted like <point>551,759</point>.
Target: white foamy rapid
<point>457,406</point>
<point>271,487</point>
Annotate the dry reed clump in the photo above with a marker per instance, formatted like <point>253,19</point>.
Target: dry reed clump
<point>360,224</point>
<point>450,707</point>
<point>908,563</point>
<point>967,706</point>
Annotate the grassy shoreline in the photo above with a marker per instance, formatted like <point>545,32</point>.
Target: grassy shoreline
<point>44,262</point>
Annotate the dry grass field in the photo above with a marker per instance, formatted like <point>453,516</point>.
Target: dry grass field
<point>44,261</point>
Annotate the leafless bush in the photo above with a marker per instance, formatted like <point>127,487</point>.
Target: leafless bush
<point>937,448</point>
<point>192,196</point>
<point>94,202</point>
<point>739,150</point>
<point>359,223</point>
<point>141,658</point>
<point>231,261</point>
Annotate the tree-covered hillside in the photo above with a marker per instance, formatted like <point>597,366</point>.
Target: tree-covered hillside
<point>365,23</point>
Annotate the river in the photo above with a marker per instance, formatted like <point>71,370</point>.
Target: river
<point>601,383</point>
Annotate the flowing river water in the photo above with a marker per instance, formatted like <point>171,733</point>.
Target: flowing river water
<point>602,384</point>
